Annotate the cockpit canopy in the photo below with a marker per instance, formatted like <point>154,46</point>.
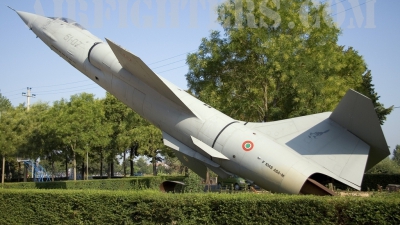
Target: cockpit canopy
<point>69,21</point>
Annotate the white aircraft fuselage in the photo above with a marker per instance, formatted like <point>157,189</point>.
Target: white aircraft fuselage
<point>284,156</point>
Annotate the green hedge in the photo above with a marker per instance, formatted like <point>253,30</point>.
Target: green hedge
<point>152,207</point>
<point>370,181</point>
<point>138,183</point>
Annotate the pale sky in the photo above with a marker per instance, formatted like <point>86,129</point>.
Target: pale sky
<point>162,32</point>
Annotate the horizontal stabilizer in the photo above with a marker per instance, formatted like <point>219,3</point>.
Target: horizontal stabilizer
<point>138,68</point>
<point>182,148</point>
<point>207,149</point>
<point>193,164</point>
<point>357,114</point>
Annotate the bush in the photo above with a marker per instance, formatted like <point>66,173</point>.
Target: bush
<point>153,207</point>
<point>370,181</point>
<point>193,183</point>
<point>137,183</point>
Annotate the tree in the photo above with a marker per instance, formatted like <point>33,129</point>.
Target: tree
<point>37,141</point>
<point>174,165</point>
<point>130,131</point>
<point>396,155</point>
<point>7,135</point>
<point>5,103</point>
<point>11,129</point>
<point>117,114</point>
<point>7,139</point>
<point>79,124</point>
<point>273,64</point>
<point>386,166</point>
<point>141,165</point>
<point>150,143</point>
<point>367,88</point>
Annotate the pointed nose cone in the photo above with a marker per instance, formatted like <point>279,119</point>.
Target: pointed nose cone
<point>28,18</point>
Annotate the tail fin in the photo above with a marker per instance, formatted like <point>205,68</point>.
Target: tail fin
<point>356,113</point>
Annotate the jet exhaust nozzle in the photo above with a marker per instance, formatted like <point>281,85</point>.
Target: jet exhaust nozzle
<point>170,186</point>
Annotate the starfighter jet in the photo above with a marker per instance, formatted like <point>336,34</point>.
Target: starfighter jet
<point>293,156</point>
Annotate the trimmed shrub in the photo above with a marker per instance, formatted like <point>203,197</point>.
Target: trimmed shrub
<point>138,183</point>
<point>370,181</point>
<point>152,207</point>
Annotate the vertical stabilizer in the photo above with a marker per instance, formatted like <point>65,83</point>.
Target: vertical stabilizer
<point>356,113</point>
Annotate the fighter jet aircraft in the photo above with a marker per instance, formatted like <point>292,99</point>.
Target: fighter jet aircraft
<point>289,156</point>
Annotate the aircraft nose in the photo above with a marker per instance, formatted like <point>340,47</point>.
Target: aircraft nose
<point>28,18</point>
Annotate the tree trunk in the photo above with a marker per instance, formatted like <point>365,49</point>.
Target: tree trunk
<point>8,170</point>
<point>124,163</point>
<point>19,171</point>
<point>83,171</point>
<point>154,166</point>
<point>112,169</point>
<point>74,164</point>
<point>101,165</point>
<point>131,156</point>
<point>87,165</point>
<point>265,99</point>
<point>109,170</point>
<point>53,171</point>
<point>66,167</point>
<point>3,169</point>
<point>25,173</point>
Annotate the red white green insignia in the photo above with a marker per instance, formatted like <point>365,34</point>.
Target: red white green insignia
<point>247,146</point>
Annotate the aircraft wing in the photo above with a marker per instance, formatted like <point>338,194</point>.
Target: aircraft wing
<point>138,68</point>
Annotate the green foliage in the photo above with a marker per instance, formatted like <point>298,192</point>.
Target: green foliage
<point>142,166</point>
<point>367,88</point>
<point>126,184</point>
<point>78,125</point>
<point>116,115</point>
<point>396,155</point>
<point>273,64</point>
<point>69,129</point>
<point>151,207</point>
<point>150,143</point>
<point>386,166</point>
<point>12,123</point>
<point>193,183</point>
<point>5,103</point>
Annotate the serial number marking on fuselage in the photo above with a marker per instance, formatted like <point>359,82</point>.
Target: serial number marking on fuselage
<point>69,38</point>
<point>272,168</point>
